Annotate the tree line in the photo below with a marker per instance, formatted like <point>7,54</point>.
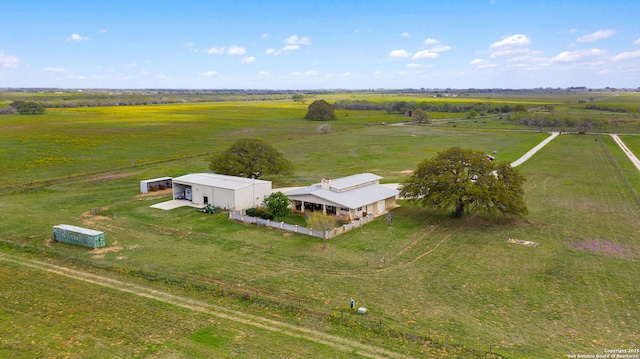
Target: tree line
<point>482,108</point>
<point>142,98</point>
<point>546,120</point>
<point>611,108</point>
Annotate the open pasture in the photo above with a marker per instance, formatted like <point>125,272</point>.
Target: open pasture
<point>425,273</point>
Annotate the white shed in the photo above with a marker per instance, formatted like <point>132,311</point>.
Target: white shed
<point>230,192</point>
<point>155,184</point>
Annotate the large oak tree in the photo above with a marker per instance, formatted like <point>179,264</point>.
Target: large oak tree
<point>462,180</point>
<point>320,110</point>
<point>252,158</point>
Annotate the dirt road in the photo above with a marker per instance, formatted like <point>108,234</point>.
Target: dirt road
<point>626,150</point>
<point>338,343</point>
<point>537,148</point>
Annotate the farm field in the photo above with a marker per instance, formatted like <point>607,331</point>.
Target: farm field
<point>426,275</point>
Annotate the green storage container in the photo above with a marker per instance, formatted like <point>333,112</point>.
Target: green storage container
<point>79,236</point>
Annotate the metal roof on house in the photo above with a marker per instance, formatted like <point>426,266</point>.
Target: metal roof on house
<point>364,191</point>
<point>217,180</point>
<point>361,179</point>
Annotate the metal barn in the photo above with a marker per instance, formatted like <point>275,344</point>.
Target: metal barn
<point>79,236</point>
<point>222,191</point>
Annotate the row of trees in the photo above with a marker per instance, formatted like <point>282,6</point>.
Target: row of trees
<point>611,108</point>
<point>545,120</point>
<point>142,98</point>
<point>403,106</point>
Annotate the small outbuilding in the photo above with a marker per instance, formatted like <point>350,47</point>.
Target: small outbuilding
<point>221,191</point>
<point>155,184</point>
<point>79,236</point>
<point>351,197</point>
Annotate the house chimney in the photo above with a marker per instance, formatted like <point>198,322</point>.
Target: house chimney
<point>326,184</point>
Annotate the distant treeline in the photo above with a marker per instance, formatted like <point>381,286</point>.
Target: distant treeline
<point>403,106</point>
<point>140,98</point>
<point>611,108</point>
<point>547,120</point>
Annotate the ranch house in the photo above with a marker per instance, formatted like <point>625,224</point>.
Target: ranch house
<point>350,197</point>
<point>229,192</point>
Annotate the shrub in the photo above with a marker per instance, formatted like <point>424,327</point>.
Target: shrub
<point>254,212</point>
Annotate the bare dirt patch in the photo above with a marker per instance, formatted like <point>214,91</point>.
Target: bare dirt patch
<point>114,248</point>
<point>155,194</point>
<point>110,176</point>
<point>605,247</point>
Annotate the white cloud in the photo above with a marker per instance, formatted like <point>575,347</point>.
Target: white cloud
<point>425,54</point>
<point>441,48</point>
<point>573,31</point>
<point>509,52</point>
<point>216,50</point>
<point>637,42</point>
<point>248,60</point>
<point>399,54</point>
<point>210,74</point>
<point>573,56</point>
<point>76,37</point>
<point>103,31</point>
<point>405,34</point>
<point>76,77</point>
<point>273,52</point>
<point>291,48</point>
<point>598,35</point>
<point>264,36</point>
<point>413,66</point>
<point>236,50</point>
<point>511,41</point>
<point>431,41</point>
<point>8,60</point>
<point>54,69</point>
<point>627,55</point>
<point>482,64</point>
<point>295,40</point>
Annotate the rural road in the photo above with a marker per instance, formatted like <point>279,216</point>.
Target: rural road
<point>295,331</point>
<point>537,148</point>
<point>626,150</point>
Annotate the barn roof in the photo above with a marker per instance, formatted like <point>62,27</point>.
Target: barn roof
<point>217,180</point>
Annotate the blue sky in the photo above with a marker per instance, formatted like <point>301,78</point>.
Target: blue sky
<point>319,44</point>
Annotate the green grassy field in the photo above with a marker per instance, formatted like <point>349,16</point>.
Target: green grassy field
<point>427,274</point>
